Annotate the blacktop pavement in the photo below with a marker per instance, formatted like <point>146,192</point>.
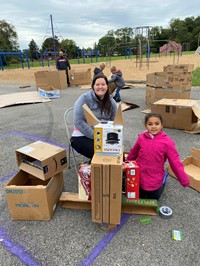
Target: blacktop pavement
<point>70,237</point>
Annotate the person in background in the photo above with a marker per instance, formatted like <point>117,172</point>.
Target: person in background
<point>101,103</point>
<point>151,150</point>
<point>62,63</point>
<point>99,69</point>
<point>118,80</point>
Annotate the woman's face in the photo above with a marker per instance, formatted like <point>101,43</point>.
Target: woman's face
<point>100,87</point>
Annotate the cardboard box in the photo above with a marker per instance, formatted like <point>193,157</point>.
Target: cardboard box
<point>156,79</point>
<point>131,169</point>
<point>108,135</point>
<point>106,186</point>
<point>178,113</point>
<point>54,78</point>
<point>41,159</point>
<point>58,79</point>
<point>84,181</point>
<point>80,77</point>
<point>179,68</point>
<point>41,79</point>
<point>71,200</point>
<point>30,198</point>
<point>156,94</point>
<point>192,168</point>
<point>51,93</point>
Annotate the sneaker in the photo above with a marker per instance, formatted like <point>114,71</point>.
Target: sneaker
<point>114,98</point>
<point>118,100</point>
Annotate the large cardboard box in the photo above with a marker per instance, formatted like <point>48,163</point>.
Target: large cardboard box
<point>30,198</point>
<point>179,68</point>
<point>58,79</point>
<point>41,79</point>
<point>106,187</point>
<point>156,79</point>
<point>53,78</point>
<point>41,159</point>
<point>192,168</point>
<point>155,94</point>
<point>108,135</point>
<point>178,113</point>
<point>80,77</point>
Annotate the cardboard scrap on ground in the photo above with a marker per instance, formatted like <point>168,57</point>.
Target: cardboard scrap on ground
<point>127,86</point>
<point>192,168</point>
<point>147,111</point>
<point>21,98</point>
<point>85,87</point>
<point>128,106</point>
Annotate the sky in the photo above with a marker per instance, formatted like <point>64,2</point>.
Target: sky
<point>86,21</point>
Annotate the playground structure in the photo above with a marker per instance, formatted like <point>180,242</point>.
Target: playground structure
<point>25,59</point>
<point>142,34</point>
<point>172,47</point>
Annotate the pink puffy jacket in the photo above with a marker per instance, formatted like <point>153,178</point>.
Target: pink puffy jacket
<point>151,155</point>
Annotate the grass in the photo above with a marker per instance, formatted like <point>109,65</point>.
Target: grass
<point>196,77</point>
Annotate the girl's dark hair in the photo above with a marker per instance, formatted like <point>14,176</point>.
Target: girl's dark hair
<point>147,116</point>
<point>105,104</point>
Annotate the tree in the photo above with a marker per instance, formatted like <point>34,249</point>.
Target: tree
<point>8,37</point>
<point>105,43</point>
<point>69,47</point>
<point>48,44</point>
<point>33,50</point>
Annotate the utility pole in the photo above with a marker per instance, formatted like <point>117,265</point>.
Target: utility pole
<point>54,45</point>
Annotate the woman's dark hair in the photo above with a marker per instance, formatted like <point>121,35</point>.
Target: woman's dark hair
<point>147,116</point>
<point>105,104</point>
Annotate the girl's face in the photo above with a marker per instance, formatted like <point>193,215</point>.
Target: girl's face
<point>154,125</point>
<point>100,87</point>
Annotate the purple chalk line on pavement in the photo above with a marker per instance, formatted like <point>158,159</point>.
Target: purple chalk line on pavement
<point>18,251</point>
<point>5,178</point>
<point>38,138</point>
<point>102,244</point>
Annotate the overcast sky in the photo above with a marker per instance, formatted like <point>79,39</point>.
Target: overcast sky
<point>86,21</point>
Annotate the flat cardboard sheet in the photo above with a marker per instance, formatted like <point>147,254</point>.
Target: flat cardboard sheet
<point>21,98</point>
<point>128,106</point>
<point>85,87</point>
<point>191,167</point>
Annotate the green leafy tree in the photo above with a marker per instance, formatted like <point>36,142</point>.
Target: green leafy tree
<point>106,43</point>
<point>33,50</point>
<point>8,37</point>
<point>124,39</point>
<point>69,47</point>
<point>48,44</point>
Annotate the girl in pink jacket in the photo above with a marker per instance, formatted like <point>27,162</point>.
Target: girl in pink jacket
<point>151,150</point>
